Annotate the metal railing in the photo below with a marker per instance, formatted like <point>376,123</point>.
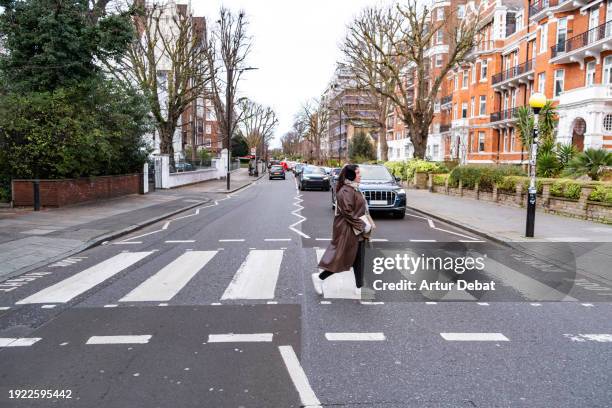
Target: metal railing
<point>513,72</point>
<point>234,164</point>
<point>185,165</point>
<point>538,6</point>
<point>504,114</point>
<point>582,40</point>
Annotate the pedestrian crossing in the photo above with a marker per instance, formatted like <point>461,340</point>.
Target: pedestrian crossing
<point>256,278</point>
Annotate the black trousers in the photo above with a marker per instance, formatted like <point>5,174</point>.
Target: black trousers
<point>357,266</point>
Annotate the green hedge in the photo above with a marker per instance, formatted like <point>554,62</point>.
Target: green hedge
<point>406,169</point>
<point>485,176</point>
<point>602,193</point>
<point>440,179</point>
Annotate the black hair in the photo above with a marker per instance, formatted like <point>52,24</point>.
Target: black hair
<point>348,172</point>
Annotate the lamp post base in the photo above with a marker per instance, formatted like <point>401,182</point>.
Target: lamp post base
<point>531,210</point>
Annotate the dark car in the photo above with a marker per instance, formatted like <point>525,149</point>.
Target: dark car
<point>297,169</point>
<point>277,171</point>
<point>313,177</point>
<point>381,190</point>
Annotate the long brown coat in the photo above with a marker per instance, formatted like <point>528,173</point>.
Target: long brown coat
<point>340,254</point>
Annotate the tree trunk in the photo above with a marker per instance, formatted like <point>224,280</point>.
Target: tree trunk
<point>382,137</point>
<point>166,137</point>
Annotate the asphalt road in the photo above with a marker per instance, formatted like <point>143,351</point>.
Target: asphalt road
<point>215,308</point>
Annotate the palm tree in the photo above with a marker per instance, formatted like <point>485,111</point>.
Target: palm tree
<point>547,122</point>
<point>590,162</point>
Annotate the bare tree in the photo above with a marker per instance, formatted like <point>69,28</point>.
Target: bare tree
<point>290,142</point>
<point>399,55</point>
<point>167,60</point>
<point>227,50</point>
<point>257,123</point>
<point>368,34</point>
<point>312,121</point>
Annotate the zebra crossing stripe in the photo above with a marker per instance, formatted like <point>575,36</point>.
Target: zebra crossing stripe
<point>474,337</point>
<point>81,282</point>
<point>256,278</point>
<point>18,342</point>
<point>166,283</point>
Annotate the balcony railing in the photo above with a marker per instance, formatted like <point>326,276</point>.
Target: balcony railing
<point>446,99</point>
<point>504,115</point>
<point>582,40</point>
<point>445,128</point>
<point>513,72</point>
<point>538,6</point>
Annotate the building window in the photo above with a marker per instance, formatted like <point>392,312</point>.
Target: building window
<point>436,150</point>
<point>456,82</point>
<point>473,106</point>
<point>464,80</point>
<point>439,36</point>
<point>590,74</point>
<point>561,34</point>
<point>207,143</point>
<point>210,114</point>
<point>464,109</point>
<point>505,138</point>
<point>543,37</point>
<point>607,123</point>
<point>440,13</point>
<point>511,137</point>
<point>208,129</point>
<point>438,60</point>
<point>461,11</point>
<point>532,44</point>
<point>437,107</point>
<point>483,70</point>
<point>455,111</point>
<point>541,82</point>
<point>519,21</point>
<point>607,70</point>
<point>481,141</point>
<point>474,73</point>
<point>483,105</point>
<point>559,79</point>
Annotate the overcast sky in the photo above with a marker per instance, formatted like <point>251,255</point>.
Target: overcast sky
<point>296,46</point>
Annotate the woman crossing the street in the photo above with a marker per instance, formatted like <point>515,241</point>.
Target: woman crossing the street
<point>350,231</point>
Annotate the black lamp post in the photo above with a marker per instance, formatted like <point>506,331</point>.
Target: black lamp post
<point>537,102</point>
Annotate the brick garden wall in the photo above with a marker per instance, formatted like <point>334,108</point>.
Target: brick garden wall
<point>58,193</point>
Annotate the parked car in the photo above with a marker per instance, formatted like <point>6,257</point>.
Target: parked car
<point>313,177</point>
<point>276,171</point>
<point>183,166</point>
<point>297,169</point>
<point>381,191</point>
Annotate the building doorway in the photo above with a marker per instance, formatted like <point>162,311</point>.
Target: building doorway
<point>578,131</point>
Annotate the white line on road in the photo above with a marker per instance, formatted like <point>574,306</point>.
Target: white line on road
<point>18,342</point>
<point>231,240</point>
<point>379,240</point>
<point>365,302</point>
<point>474,337</point>
<point>5,308</point>
<point>355,336</point>
<point>75,285</point>
<point>298,376</point>
<point>277,239</point>
<point>48,306</point>
<point>599,338</point>
<point>323,239</point>
<point>422,240</point>
<point>129,339</point>
<point>110,306</point>
<point>166,283</point>
<point>240,338</point>
<point>256,278</point>
<point>180,241</point>
<point>431,303</point>
<point>165,227</point>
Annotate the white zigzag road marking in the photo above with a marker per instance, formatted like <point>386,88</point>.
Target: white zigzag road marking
<point>295,212</point>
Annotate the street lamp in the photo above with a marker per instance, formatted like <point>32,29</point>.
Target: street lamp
<point>229,96</point>
<point>537,102</point>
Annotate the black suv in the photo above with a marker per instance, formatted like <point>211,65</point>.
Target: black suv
<point>381,190</point>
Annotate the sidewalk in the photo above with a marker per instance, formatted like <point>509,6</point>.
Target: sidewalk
<point>31,239</point>
<point>505,223</point>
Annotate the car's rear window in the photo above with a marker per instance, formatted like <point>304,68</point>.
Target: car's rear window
<point>314,170</point>
<point>276,168</point>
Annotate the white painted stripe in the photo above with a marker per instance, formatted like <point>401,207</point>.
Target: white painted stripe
<point>179,241</point>
<point>599,338</point>
<point>355,336</point>
<point>18,342</point>
<point>431,303</point>
<point>4,308</point>
<point>77,284</point>
<point>240,338</point>
<point>323,239</point>
<point>587,304</point>
<point>166,225</point>
<point>474,240</point>
<point>298,376</point>
<point>326,302</point>
<point>129,339</point>
<point>277,239</point>
<point>365,302</point>
<point>110,306</point>
<point>256,278</point>
<point>535,304</point>
<point>474,337</point>
<point>48,306</point>
<point>422,240</point>
<point>231,240</point>
<point>272,302</point>
<point>379,240</point>
<point>166,283</point>
<point>483,304</point>
<point>531,288</point>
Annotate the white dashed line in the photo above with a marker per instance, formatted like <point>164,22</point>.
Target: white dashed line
<point>587,304</point>
<point>110,305</point>
<point>323,239</point>
<point>231,240</point>
<point>180,241</point>
<point>365,302</point>
<point>431,303</point>
<point>326,302</point>
<point>48,306</point>
<point>240,338</point>
<point>581,338</point>
<point>422,240</point>
<point>4,308</point>
<point>474,337</point>
<point>483,304</point>
<point>536,304</point>
<point>18,342</point>
<point>355,336</point>
<point>298,376</point>
<point>277,239</point>
<point>129,339</point>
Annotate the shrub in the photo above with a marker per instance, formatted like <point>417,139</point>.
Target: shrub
<point>566,188</point>
<point>602,193</point>
<point>406,169</point>
<point>439,179</point>
<point>485,176</point>
<point>590,162</point>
